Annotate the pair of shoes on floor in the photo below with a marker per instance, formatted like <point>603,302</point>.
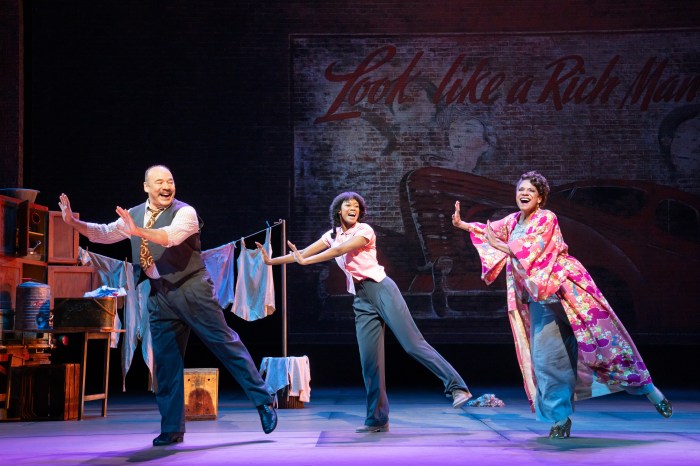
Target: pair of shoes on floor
<point>459,398</point>
<point>665,408</point>
<point>561,431</point>
<point>167,438</point>
<point>372,429</point>
<point>268,418</point>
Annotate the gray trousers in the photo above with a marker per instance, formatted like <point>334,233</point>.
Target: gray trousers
<point>172,314</point>
<point>378,305</point>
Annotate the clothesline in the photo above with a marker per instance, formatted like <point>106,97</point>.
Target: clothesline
<point>277,223</point>
<point>280,222</point>
<point>283,250</point>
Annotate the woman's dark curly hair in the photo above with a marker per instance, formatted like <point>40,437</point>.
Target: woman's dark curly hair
<point>335,208</point>
<point>539,182</point>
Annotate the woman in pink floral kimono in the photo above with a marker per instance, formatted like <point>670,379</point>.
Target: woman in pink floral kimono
<point>569,342</point>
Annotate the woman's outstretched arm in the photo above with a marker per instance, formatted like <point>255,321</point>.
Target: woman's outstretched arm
<point>303,258</point>
<point>313,249</point>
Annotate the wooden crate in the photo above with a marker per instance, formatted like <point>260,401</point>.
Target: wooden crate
<point>7,361</point>
<point>63,240</point>
<point>28,348</point>
<point>32,222</point>
<point>10,277</point>
<point>9,210</point>
<point>71,281</point>
<point>47,392</point>
<point>201,394</point>
<point>85,312</point>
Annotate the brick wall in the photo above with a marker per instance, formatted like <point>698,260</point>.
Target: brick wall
<point>205,88</point>
<point>207,84</point>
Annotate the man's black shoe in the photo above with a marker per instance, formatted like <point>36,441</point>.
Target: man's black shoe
<point>166,438</point>
<point>268,418</point>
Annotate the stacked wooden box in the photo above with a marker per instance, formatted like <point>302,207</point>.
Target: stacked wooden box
<point>47,392</point>
<point>201,394</point>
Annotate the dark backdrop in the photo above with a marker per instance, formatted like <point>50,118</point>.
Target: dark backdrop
<point>203,87</point>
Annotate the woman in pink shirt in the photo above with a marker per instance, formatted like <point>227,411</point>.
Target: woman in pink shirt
<point>378,303</point>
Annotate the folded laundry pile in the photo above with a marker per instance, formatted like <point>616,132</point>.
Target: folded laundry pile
<point>488,400</point>
<point>105,292</point>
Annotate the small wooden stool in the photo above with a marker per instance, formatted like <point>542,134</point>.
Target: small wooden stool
<point>288,377</point>
<point>201,394</point>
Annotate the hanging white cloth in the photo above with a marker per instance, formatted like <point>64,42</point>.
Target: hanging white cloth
<point>255,289</point>
<point>300,378</point>
<point>143,332</point>
<point>276,373</point>
<point>116,273</point>
<point>113,274</point>
<point>293,372</point>
<point>220,263</point>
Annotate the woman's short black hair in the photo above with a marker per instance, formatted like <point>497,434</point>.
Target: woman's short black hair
<point>335,208</point>
<point>539,182</point>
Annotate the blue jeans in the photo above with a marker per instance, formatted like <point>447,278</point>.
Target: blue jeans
<point>554,358</point>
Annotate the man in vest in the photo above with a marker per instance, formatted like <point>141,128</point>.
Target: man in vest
<point>166,249</point>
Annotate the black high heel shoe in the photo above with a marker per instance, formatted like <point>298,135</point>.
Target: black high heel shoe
<point>665,408</point>
<point>561,431</point>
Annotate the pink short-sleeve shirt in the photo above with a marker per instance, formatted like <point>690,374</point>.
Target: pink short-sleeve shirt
<point>361,263</point>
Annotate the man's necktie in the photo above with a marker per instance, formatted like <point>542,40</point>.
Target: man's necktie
<point>145,257</point>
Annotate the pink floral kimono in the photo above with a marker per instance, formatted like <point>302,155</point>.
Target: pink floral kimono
<point>608,360</point>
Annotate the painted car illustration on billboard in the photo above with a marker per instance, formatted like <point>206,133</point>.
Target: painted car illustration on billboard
<point>640,241</point>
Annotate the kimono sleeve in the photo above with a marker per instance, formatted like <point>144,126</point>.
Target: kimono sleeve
<point>492,260</point>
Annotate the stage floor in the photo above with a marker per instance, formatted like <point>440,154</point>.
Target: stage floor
<point>425,430</point>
